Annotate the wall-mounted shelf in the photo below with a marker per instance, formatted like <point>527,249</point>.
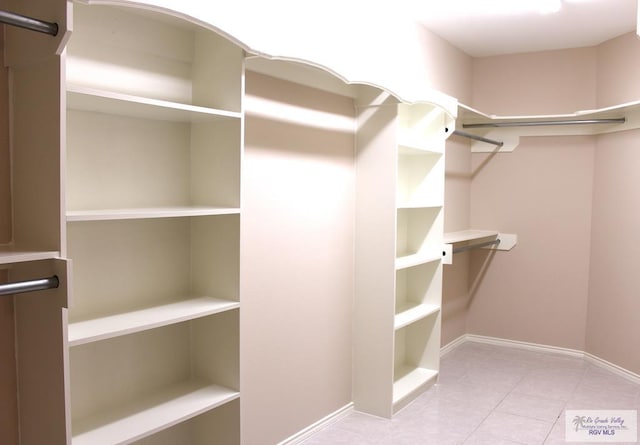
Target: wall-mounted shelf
<point>455,242</point>
<point>509,129</point>
<point>468,235</point>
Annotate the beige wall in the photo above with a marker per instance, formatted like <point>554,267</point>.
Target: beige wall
<point>542,192</point>
<point>449,69</point>
<point>455,291</point>
<point>451,73</point>
<point>8,419</point>
<point>547,82</point>
<point>614,305</point>
<point>613,324</point>
<point>571,280</point>
<point>538,291</point>
<point>619,70</point>
<point>297,247</point>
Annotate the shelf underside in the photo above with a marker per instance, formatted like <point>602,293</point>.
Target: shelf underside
<point>127,323</point>
<point>148,416</point>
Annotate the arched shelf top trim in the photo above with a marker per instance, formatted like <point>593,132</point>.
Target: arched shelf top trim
<point>256,37</point>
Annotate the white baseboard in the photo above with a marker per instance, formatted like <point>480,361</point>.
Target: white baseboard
<point>618,370</point>
<point>452,345</point>
<point>615,369</point>
<point>304,434</point>
<point>536,347</point>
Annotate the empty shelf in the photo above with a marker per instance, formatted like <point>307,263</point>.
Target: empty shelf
<point>146,417</point>
<point>21,256</point>
<point>90,99</point>
<point>411,379</point>
<point>413,314</point>
<point>416,259</point>
<point>435,204</point>
<point>433,146</point>
<point>122,324</point>
<point>147,213</point>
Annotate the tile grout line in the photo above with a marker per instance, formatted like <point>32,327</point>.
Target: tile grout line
<point>493,410</point>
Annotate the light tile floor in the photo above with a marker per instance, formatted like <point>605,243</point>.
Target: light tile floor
<point>492,395</point>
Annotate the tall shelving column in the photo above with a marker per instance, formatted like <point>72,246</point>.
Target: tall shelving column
<point>154,146</point>
<point>399,229</point>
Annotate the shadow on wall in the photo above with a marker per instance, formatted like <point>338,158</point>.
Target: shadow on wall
<point>479,263</point>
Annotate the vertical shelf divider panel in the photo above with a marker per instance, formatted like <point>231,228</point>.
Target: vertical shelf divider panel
<point>399,230</point>
<point>153,220</point>
<point>35,63</point>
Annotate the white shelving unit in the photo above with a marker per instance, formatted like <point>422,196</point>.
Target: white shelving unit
<point>399,230</point>
<point>154,145</point>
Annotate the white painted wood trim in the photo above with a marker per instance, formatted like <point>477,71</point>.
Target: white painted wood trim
<point>452,345</point>
<point>148,213</point>
<point>19,256</point>
<point>618,370</point>
<point>304,434</point>
<point>524,345</point>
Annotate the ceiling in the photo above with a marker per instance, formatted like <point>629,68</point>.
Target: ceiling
<point>479,33</point>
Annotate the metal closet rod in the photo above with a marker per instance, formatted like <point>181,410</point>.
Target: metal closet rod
<point>476,246</point>
<point>475,137</point>
<point>620,120</point>
<point>20,287</point>
<point>22,21</point>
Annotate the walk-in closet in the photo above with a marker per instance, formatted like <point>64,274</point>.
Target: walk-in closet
<point>218,227</point>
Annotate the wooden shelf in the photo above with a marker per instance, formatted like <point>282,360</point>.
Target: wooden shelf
<point>101,101</point>
<point>410,379</point>
<point>146,417</point>
<point>416,259</point>
<point>21,256</point>
<point>435,205</point>
<point>434,147</point>
<point>468,235</point>
<point>147,213</point>
<point>413,313</point>
<point>127,323</point>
